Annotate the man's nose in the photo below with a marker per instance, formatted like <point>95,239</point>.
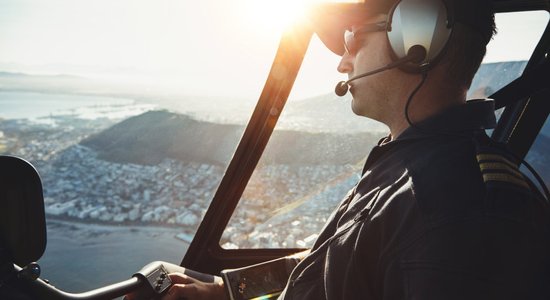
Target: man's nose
<point>346,64</point>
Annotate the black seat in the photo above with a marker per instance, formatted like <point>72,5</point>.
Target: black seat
<point>22,221</point>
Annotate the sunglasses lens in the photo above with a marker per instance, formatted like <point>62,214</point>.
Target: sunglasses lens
<point>349,42</point>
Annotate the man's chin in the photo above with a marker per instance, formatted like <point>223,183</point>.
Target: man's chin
<point>362,110</point>
<point>357,108</point>
<point>354,109</point>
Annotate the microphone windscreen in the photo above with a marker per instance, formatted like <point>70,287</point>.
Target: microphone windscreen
<point>417,53</point>
<point>341,88</point>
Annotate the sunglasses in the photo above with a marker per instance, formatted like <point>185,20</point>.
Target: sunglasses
<point>351,40</point>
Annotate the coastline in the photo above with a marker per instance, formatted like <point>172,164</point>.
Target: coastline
<point>68,221</point>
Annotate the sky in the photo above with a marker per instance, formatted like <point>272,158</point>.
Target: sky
<point>216,47</point>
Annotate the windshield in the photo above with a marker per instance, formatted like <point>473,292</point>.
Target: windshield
<point>130,111</point>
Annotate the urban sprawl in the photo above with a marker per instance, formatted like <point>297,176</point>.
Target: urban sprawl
<point>283,206</point>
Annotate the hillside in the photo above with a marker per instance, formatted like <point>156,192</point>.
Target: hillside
<point>492,76</point>
<point>155,135</point>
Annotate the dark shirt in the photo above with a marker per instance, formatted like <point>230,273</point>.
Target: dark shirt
<point>441,212</point>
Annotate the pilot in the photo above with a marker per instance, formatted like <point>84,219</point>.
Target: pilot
<point>441,210</point>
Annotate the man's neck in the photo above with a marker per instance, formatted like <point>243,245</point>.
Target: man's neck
<point>423,106</point>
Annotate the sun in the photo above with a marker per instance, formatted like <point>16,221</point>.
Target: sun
<point>275,15</point>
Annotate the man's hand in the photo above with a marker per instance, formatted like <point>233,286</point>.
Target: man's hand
<point>192,289</point>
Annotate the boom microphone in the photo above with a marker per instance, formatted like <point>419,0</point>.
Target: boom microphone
<point>416,54</point>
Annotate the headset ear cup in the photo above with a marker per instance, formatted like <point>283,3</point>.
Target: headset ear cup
<point>419,22</point>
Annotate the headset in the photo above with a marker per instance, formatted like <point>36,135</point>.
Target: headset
<point>426,23</point>
<point>418,32</point>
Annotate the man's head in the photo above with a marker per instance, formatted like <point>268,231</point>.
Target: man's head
<point>473,27</point>
<point>472,24</point>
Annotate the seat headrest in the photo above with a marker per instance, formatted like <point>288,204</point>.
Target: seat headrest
<point>22,220</point>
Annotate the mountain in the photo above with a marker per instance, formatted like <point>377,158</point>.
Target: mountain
<point>28,76</point>
<point>57,83</point>
<point>546,129</point>
<point>12,74</point>
<point>327,113</point>
<point>492,76</point>
<point>155,135</point>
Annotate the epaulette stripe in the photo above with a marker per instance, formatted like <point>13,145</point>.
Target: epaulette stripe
<point>495,157</point>
<point>497,168</point>
<point>504,178</point>
<point>488,166</point>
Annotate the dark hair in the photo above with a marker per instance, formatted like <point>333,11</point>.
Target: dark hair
<point>474,28</point>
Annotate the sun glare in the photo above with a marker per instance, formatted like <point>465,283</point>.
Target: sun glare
<point>275,15</point>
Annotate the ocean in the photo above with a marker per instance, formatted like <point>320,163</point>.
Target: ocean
<point>80,257</point>
<point>40,107</point>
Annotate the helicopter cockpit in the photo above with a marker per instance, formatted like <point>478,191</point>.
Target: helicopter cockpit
<point>131,134</point>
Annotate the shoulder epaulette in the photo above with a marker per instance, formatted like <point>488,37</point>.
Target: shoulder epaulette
<point>497,164</point>
<point>498,168</point>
